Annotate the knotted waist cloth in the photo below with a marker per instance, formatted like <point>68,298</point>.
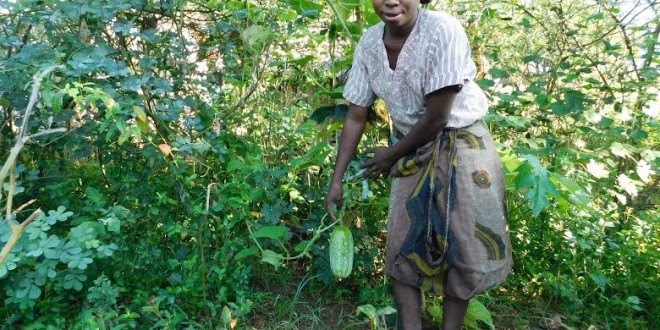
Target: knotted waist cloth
<point>447,228</point>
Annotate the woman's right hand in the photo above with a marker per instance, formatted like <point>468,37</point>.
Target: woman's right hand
<point>356,119</point>
<point>334,197</point>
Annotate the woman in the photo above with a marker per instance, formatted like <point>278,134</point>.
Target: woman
<point>447,231</point>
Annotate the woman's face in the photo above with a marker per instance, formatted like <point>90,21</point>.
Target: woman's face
<point>397,13</point>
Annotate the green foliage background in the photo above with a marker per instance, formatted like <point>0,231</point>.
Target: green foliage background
<point>200,137</point>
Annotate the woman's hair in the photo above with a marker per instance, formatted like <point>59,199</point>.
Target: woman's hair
<point>424,2</point>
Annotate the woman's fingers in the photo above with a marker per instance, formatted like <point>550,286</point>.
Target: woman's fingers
<point>331,207</point>
<point>373,172</point>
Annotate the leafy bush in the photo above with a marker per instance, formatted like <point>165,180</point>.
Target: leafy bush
<point>199,143</point>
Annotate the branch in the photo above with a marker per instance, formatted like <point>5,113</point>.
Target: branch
<point>13,154</point>
<point>649,50</point>
<point>16,231</point>
<point>9,166</point>
<point>256,77</point>
<point>46,132</point>
<point>20,208</point>
<point>33,97</point>
<point>608,32</point>
<point>10,193</point>
<point>343,23</point>
<point>594,64</point>
<point>626,39</point>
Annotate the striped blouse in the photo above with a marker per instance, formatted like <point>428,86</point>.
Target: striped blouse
<point>436,54</point>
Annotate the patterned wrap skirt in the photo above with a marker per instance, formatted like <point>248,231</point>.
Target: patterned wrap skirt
<point>447,231</point>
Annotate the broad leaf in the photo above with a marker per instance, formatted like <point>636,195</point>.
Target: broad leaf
<point>274,232</point>
<point>272,258</point>
<point>315,156</point>
<point>533,175</point>
<point>246,253</point>
<point>476,313</point>
<point>368,310</point>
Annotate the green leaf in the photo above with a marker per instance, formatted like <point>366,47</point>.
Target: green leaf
<point>35,292</point>
<point>623,150</point>
<point>274,232</point>
<point>532,57</point>
<point>256,37</point>
<point>94,195</point>
<point>525,177</point>
<point>387,310</point>
<point>56,102</point>
<point>83,232</point>
<point>533,174</point>
<point>57,215</point>
<point>112,223</point>
<point>485,83</point>
<point>48,247</point>
<point>639,135</point>
<point>107,250</point>
<point>559,108</point>
<point>74,281</point>
<point>337,113</point>
<point>246,253</point>
<point>237,165</point>
<point>305,7</point>
<point>574,100</point>
<point>476,312</point>
<point>315,156</point>
<point>576,194</point>
<point>498,73</point>
<point>368,310</point>
<point>346,7</point>
<point>600,280</point>
<point>79,261</point>
<point>300,247</point>
<point>598,16</point>
<point>510,162</point>
<point>225,316</point>
<point>517,122</point>
<point>605,122</point>
<point>272,257</point>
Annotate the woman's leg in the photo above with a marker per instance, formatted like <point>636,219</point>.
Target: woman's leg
<point>409,305</point>
<point>453,312</point>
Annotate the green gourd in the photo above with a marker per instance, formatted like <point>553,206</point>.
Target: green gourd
<point>341,251</point>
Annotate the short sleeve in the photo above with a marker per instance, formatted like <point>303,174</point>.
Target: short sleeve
<point>357,89</point>
<point>448,53</point>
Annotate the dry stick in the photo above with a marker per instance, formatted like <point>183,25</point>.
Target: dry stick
<point>619,22</point>
<point>10,165</point>
<point>256,69</point>
<point>20,208</point>
<point>13,154</point>
<point>16,231</point>
<point>626,39</point>
<point>200,242</point>
<point>22,139</point>
<point>10,192</point>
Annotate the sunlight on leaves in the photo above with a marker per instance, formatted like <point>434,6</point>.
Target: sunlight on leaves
<point>597,169</point>
<point>627,184</point>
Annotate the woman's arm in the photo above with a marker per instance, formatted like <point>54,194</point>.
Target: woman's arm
<point>348,142</point>
<point>434,120</point>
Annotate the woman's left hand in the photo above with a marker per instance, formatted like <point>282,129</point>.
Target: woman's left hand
<point>381,163</point>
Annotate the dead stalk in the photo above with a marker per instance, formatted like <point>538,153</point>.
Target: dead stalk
<point>9,168</point>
